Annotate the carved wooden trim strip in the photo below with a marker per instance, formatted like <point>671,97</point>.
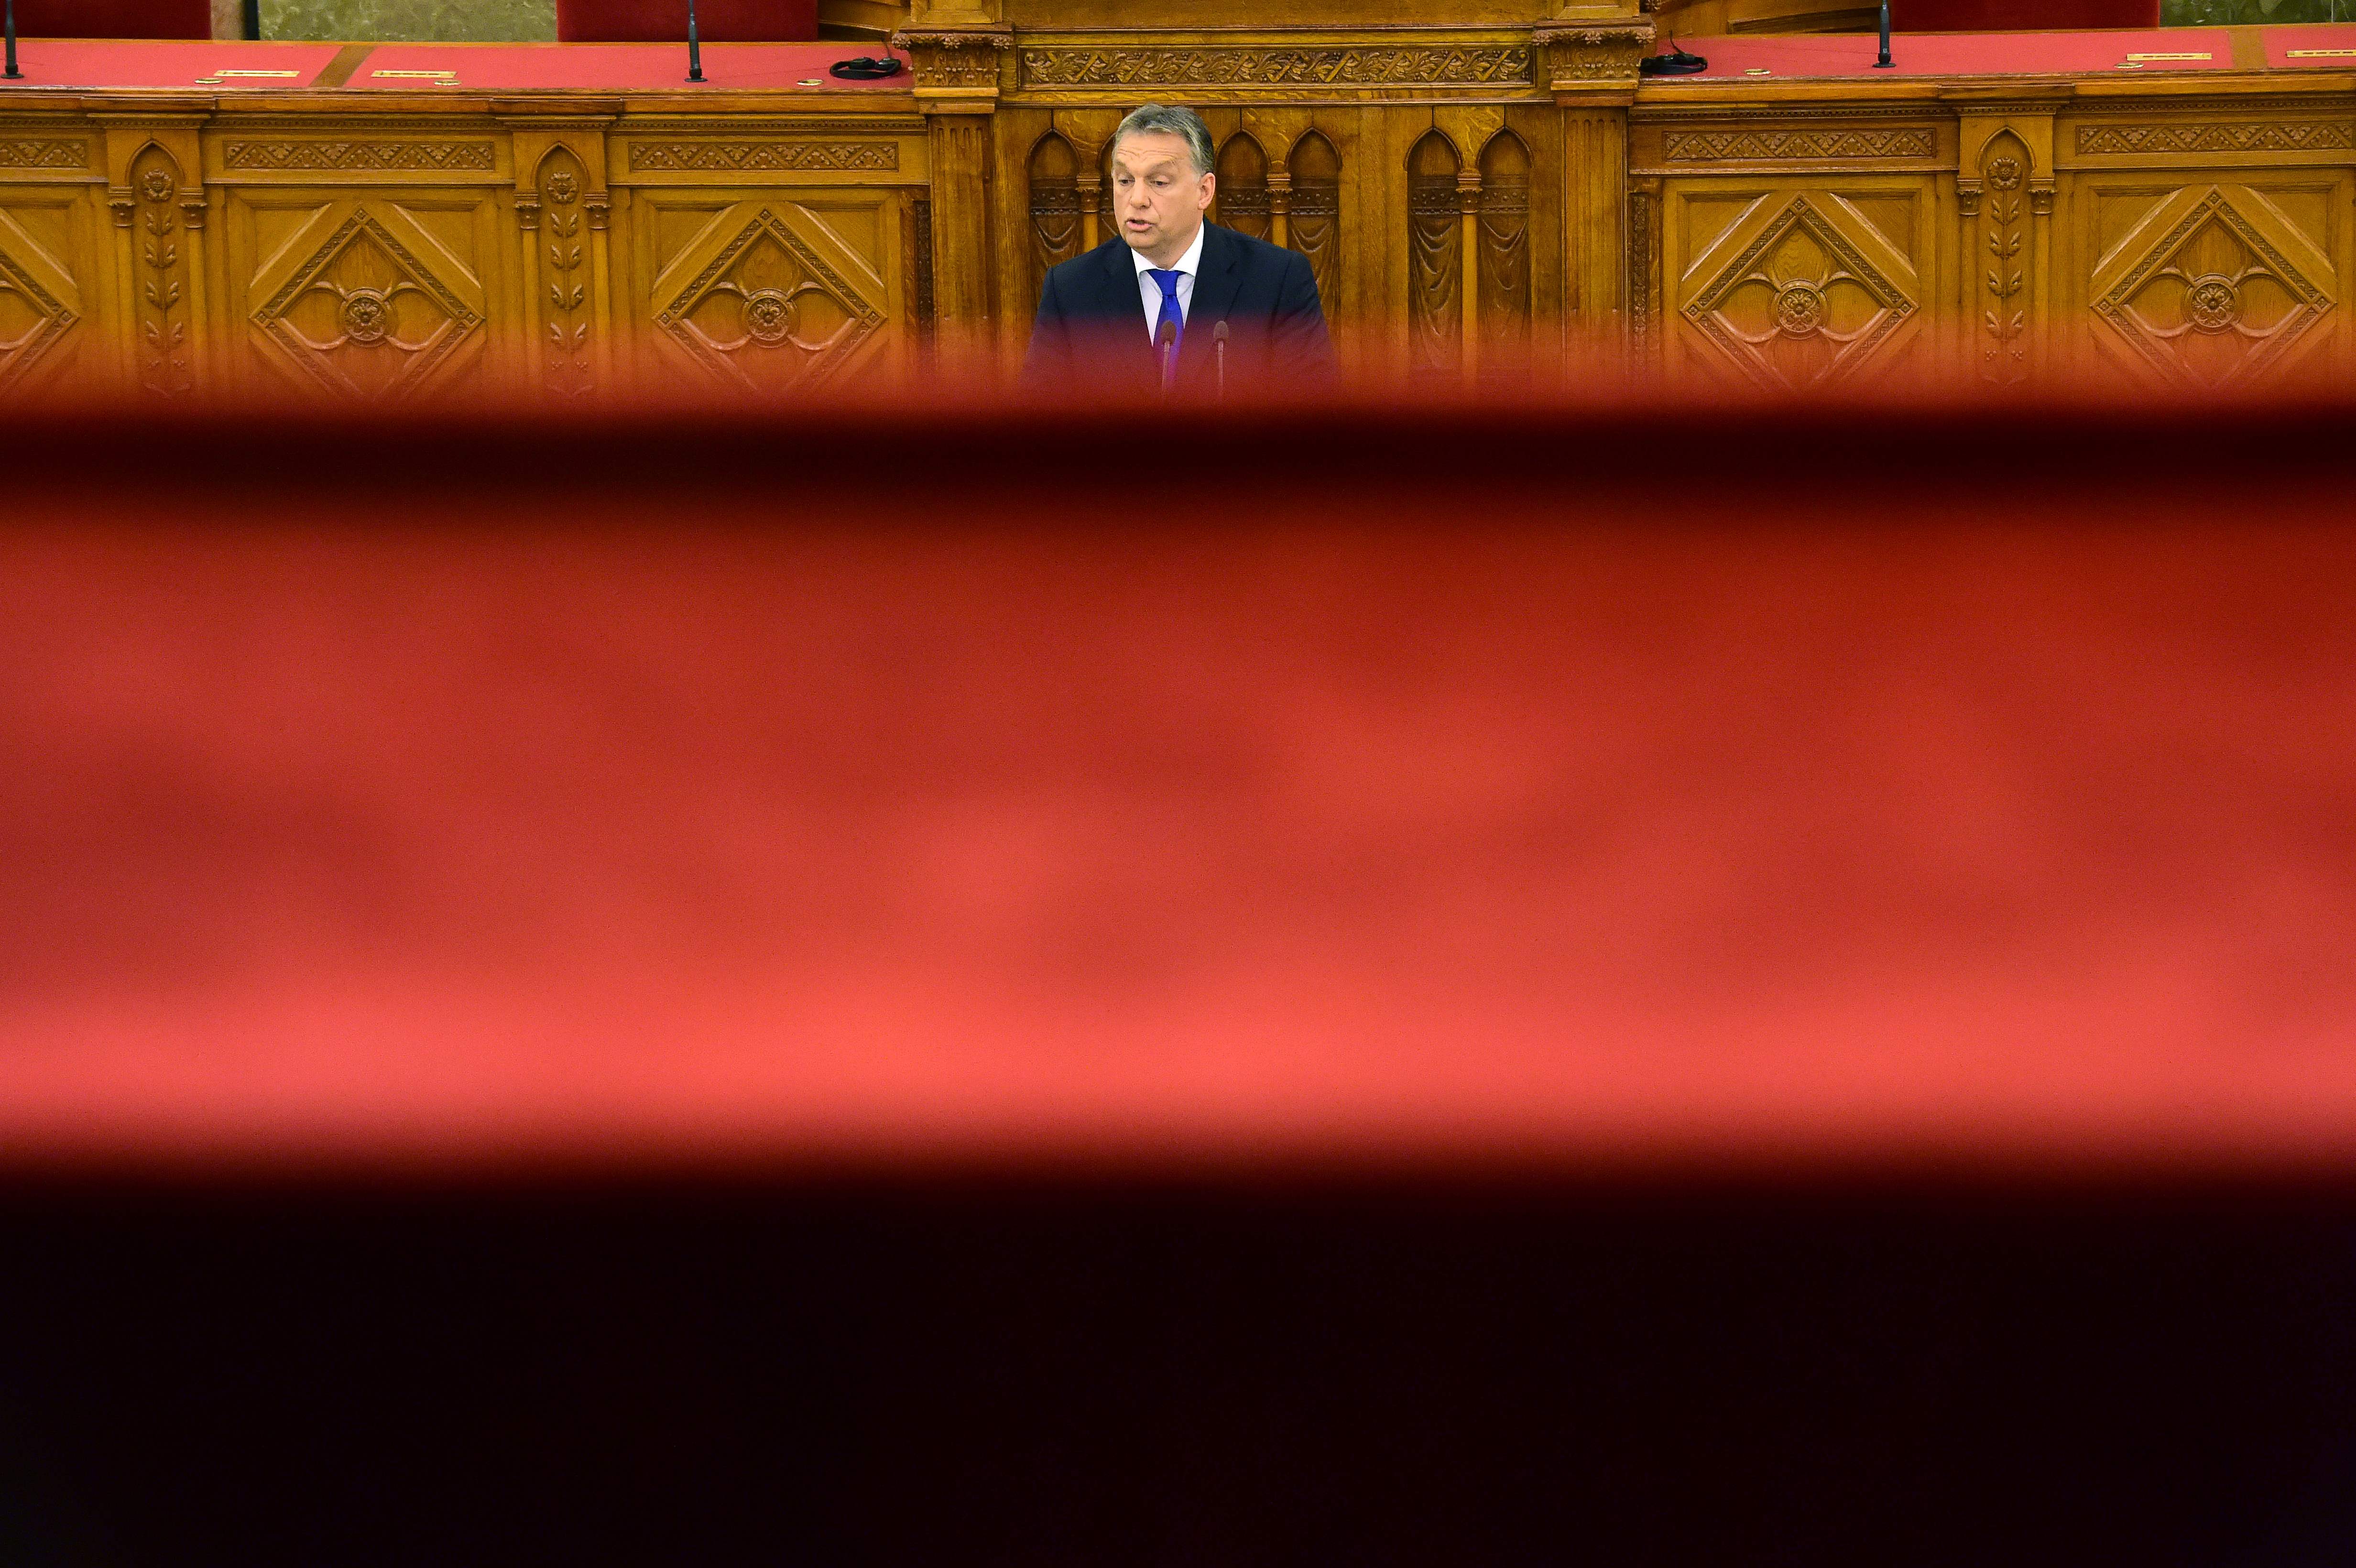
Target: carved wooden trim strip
<point>754,156</point>
<point>1717,146</point>
<point>2251,137</point>
<point>406,156</point>
<point>43,155</point>
<point>1643,268</point>
<point>1246,66</point>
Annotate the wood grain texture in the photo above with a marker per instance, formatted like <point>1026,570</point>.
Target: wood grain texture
<point>1783,232</point>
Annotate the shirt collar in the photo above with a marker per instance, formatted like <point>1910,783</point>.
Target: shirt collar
<point>1190,263</point>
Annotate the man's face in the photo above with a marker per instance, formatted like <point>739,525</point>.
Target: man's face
<point>1157,196</point>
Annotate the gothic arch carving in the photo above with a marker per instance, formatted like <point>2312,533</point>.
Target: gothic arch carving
<point>1504,269</point>
<point>1315,226</point>
<point>1242,199</point>
<point>1435,255</point>
<point>1055,206</point>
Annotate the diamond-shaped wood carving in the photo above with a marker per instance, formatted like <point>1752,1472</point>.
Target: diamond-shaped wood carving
<point>1801,303</point>
<point>364,316</point>
<point>2213,287</point>
<point>32,320</point>
<point>769,311</point>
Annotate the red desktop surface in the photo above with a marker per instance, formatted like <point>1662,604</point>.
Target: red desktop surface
<point>1966,54</point>
<point>111,63</point>
<point>2021,15</point>
<point>2311,48</point>
<point>658,21</point>
<point>892,788</point>
<point>114,18</point>
<point>526,68</point>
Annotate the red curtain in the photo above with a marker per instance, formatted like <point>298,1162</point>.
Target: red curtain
<point>114,18</point>
<point>2021,15</point>
<point>665,21</point>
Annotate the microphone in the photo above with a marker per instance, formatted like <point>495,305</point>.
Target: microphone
<point>12,73</point>
<point>1884,62</point>
<point>694,46</point>
<point>1166,340</point>
<point>1219,352</point>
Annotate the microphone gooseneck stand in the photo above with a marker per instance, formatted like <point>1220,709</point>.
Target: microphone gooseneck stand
<point>1165,344</point>
<point>12,73</point>
<point>694,46</point>
<point>1884,63</point>
<point>1219,355</point>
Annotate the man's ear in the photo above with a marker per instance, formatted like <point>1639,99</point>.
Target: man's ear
<point>1210,190</point>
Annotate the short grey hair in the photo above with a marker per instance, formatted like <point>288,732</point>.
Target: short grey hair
<point>1150,118</point>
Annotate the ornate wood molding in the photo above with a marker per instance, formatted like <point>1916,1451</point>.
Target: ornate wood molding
<point>566,367</point>
<point>1280,68</point>
<point>763,155</point>
<point>2244,136</point>
<point>405,156</point>
<point>1594,62</point>
<point>42,152</point>
<point>161,315</point>
<point>1736,146</point>
<point>1643,266</point>
<point>53,320</point>
<point>955,67</point>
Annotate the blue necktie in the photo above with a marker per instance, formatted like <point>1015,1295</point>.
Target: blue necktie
<point>1168,284</point>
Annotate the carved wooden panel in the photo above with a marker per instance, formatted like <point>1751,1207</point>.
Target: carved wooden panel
<point>162,276</point>
<point>1801,286</point>
<point>1167,72</point>
<point>366,298</point>
<point>2213,285</point>
<point>1106,225</point>
<point>1242,199</point>
<point>1505,270</point>
<point>1435,256</point>
<point>40,305</point>
<point>1313,211</point>
<point>1055,230</point>
<point>769,297</point>
<point>565,219</point>
<point>1999,278</point>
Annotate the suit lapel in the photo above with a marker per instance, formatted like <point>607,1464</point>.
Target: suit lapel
<point>1216,284</point>
<point>1120,302</point>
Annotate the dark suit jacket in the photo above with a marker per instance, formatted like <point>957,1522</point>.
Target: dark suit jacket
<point>1091,329</point>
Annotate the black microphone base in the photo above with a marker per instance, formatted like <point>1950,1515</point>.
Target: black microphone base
<point>1678,62</point>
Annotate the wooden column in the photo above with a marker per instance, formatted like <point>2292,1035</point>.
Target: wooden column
<point>1592,69</point>
<point>958,72</point>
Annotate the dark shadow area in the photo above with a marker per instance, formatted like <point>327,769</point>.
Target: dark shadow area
<point>994,1375</point>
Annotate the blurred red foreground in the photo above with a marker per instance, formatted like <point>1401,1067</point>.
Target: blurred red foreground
<point>1937,787</point>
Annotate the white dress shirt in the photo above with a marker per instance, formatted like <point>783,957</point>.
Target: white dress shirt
<point>1151,292</point>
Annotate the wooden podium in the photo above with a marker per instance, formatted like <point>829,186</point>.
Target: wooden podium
<point>1478,185</point>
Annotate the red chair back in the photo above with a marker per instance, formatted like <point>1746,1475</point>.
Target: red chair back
<point>665,21</point>
<point>2020,15</point>
<point>115,18</point>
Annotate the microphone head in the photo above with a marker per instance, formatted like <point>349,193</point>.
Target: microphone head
<point>1168,334</point>
<point>1219,333</point>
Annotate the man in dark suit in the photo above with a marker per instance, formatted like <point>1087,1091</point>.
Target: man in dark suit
<point>1173,302</point>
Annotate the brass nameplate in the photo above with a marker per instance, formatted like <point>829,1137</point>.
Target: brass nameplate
<point>2143,59</point>
<point>418,75</point>
<point>269,73</point>
<point>2323,54</point>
